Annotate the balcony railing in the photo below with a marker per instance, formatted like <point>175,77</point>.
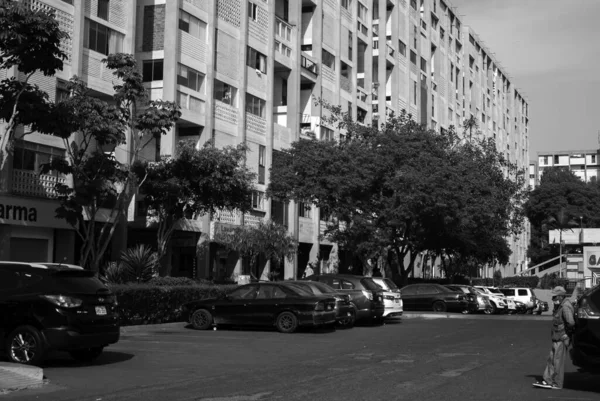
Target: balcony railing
<point>30,183</point>
<point>390,50</point>
<point>226,216</point>
<point>283,30</point>
<point>309,65</point>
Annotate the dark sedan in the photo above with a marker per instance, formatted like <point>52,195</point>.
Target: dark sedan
<point>475,301</point>
<point>432,297</point>
<point>264,304</point>
<point>366,295</point>
<point>346,313</point>
<point>586,339</point>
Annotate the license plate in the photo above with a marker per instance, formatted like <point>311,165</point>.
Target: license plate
<point>100,310</point>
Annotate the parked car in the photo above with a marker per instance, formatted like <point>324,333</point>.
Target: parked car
<point>497,299</point>
<point>585,352</point>
<point>521,308</point>
<point>367,296</point>
<point>263,304</point>
<point>511,306</point>
<point>392,298</point>
<point>346,313</point>
<point>524,295</point>
<point>433,297</point>
<point>53,307</point>
<point>477,301</point>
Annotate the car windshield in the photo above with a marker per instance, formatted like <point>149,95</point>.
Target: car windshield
<point>321,288</point>
<point>495,291</point>
<point>390,284</point>
<point>369,284</point>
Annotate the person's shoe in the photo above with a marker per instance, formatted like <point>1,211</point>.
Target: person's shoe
<point>555,387</point>
<point>542,384</point>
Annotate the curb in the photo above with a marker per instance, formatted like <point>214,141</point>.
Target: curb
<point>14,376</point>
<point>434,315</point>
<point>156,326</point>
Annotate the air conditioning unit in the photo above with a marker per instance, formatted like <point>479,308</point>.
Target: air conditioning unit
<point>375,116</point>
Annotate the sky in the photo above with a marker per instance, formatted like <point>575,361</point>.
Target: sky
<point>550,48</point>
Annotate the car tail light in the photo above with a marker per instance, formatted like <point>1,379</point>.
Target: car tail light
<point>587,311</point>
<point>63,301</point>
<point>368,294</point>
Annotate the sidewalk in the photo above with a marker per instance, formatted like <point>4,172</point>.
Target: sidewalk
<point>14,376</point>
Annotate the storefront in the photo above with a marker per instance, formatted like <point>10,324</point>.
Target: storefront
<point>30,232</point>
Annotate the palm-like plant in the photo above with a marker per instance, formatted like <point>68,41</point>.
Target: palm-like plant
<point>139,263</point>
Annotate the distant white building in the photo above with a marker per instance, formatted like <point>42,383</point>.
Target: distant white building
<point>583,163</point>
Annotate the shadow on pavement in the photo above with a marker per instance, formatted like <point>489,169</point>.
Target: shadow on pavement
<point>63,360</point>
<point>316,330</point>
<point>578,381</point>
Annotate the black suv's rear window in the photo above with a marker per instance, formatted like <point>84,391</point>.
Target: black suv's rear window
<point>78,282</point>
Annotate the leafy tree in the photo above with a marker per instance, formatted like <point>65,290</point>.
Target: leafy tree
<point>268,238</point>
<point>30,41</point>
<point>102,186</point>
<point>557,204</point>
<point>196,182</point>
<point>400,189</point>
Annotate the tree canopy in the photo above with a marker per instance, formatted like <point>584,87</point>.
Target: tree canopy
<point>195,182</point>
<point>400,189</point>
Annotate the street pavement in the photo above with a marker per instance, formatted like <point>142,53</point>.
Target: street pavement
<point>412,359</point>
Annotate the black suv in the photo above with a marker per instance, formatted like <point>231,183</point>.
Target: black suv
<point>366,295</point>
<point>586,339</point>
<point>50,306</point>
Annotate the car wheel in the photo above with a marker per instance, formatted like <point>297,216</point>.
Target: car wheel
<point>86,354</point>
<point>25,345</point>
<point>493,310</point>
<point>286,322</point>
<point>439,306</point>
<point>201,319</point>
<point>538,312</point>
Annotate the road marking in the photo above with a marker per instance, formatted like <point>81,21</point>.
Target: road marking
<point>254,397</point>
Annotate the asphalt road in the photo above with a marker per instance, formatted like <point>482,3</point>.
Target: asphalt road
<point>416,359</point>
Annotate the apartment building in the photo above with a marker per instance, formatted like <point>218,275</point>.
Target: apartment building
<point>585,164</point>
<point>245,71</point>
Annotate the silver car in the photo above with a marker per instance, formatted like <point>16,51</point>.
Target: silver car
<point>392,299</point>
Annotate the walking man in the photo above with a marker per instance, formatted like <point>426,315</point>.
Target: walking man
<point>563,323</point>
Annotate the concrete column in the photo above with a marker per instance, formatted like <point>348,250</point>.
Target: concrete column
<point>168,142</point>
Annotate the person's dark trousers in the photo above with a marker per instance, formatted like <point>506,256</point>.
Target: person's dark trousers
<point>555,366</point>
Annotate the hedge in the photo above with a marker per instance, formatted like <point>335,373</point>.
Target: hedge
<point>152,304</point>
<point>171,281</point>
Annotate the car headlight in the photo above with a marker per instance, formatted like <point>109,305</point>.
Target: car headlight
<point>63,301</point>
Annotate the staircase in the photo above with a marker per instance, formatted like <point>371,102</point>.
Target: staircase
<point>535,270</point>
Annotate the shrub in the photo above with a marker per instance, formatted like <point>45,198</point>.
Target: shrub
<point>139,263</point>
<point>497,278</point>
<point>521,281</point>
<point>151,304</point>
<point>551,280</point>
<point>171,281</point>
<point>114,273</point>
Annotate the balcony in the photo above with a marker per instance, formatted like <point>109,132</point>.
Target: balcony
<point>283,30</point>
<point>30,183</point>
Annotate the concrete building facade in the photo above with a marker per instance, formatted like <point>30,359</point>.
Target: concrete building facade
<point>245,71</point>
<point>585,164</point>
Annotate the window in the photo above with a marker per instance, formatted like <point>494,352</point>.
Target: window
<point>594,159</point>
<point>246,292</point>
<point>101,39</point>
<point>256,60</point>
<point>68,1</point>
<point>423,65</point>
<point>62,91</point>
<point>556,159</point>
<point>31,156</point>
<point>413,4</point>
<point>255,105</point>
<point>413,57</point>
<point>328,59</point>
<point>350,43</point>
<point>24,159</point>
<point>190,78</point>
<point>261,164</point>
<point>414,99</point>
<point>258,200</point>
<point>103,9</point>
<point>361,114</point>
<point>326,134</point>
<point>192,25</point>
<point>304,210</point>
<point>347,4</point>
<point>442,34</point>
<point>152,70</point>
<point>362,12</point>
<point>225,93</point>
<point>415,34</point>
<point>402,48</point>
<point>451,72</point>
<point>347,285</point>
<point>252,11</point>
<point>346,72</point>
